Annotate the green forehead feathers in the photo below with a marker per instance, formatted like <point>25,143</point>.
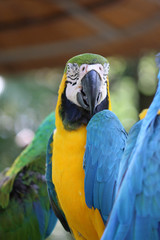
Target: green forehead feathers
<point>87,58</point>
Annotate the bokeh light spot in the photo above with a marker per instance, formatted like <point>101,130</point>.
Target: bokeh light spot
<point>24,137</point>
<point>2,85</point>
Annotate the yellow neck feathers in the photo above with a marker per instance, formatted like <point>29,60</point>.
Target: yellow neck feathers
<point>109,99</point>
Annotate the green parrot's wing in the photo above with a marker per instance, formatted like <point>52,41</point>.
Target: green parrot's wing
<point>28,158</point>
<point>51,188</point>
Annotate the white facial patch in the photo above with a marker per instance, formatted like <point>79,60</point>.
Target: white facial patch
<point>75,74</point>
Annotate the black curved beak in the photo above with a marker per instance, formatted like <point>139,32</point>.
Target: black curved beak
<point>90,93</point>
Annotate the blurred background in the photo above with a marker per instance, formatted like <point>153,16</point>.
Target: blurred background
<point>37,37</point>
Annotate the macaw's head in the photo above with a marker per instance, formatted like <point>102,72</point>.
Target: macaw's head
<point>84,90</point>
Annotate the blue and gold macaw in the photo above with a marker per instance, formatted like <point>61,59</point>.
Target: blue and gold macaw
<point>136,211</point>
<point>82,193</point>
<point>25,210</point>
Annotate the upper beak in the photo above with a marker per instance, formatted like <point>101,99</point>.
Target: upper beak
<point>90,93</point>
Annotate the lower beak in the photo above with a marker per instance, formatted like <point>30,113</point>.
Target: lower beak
<point>90,93</point>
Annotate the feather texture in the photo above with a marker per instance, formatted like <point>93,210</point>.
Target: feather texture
<point>51,188</point>
<point>25,211</point>
<point>105,144</point>
<point>136,211</point>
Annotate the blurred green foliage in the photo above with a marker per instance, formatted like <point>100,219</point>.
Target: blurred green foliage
<point>26,99</point>
<point>124,92</point>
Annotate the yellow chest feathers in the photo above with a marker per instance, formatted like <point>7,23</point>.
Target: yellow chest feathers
<point>69,147</point>
<point>68,178</point>
<point>67,162</point>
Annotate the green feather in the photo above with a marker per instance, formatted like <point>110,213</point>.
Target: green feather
<point>33,157</point>
<point>87,58</point>
<point>23,185</point>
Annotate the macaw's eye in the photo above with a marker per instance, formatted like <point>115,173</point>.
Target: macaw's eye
<point>83,68</point>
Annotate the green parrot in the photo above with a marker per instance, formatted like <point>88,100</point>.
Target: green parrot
<point>25,211</point>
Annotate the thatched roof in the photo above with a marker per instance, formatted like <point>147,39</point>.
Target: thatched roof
<point>45,33</point>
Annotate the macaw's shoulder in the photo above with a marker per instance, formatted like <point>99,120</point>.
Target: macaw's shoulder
<point>51,188</point>
<point>105,144</point>
<point>33,158</point>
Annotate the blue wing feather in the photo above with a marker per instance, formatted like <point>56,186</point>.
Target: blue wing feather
<point>126,157</point>
<point>40,216</point>
<point>104,147</point>
<point>50,223</point>
<point>136,211</point>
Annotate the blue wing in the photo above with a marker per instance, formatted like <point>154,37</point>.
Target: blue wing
<point>51,188</point>
<point>105,144</point>
<point>126,157</point>
<point>136,212</point>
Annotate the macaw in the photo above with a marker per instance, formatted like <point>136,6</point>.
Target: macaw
<point>25,211</point>
<point>136,211</point>
<point>85,150</point>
